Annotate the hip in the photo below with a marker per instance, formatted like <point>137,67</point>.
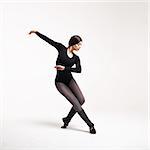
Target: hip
<point>63,79</point>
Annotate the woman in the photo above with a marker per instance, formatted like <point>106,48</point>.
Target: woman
<point>64,81</point>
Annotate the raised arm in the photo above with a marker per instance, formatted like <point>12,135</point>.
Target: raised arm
<point>45,38</point>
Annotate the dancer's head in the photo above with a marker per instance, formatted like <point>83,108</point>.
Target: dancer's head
<point>75,42</point>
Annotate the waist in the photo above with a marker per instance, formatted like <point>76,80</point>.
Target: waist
<point>64,72</point>
<point>63,77</point>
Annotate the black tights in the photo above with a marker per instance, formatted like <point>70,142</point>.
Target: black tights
<point>72,93</point>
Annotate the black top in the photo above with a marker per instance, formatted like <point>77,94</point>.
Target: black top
<point>63,59</point>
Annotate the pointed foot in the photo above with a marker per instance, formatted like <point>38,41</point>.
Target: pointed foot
<point>92,130</point>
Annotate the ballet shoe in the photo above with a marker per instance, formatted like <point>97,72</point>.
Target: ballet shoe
<point>65,120</point>
<point>64,126</point>
<point>92,130</point>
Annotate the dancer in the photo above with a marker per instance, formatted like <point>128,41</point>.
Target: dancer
<point>64,81</point>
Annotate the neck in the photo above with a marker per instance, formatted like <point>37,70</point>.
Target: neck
<point>70,50</point>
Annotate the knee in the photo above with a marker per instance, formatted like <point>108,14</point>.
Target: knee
<point>77,108</point>
<point>82,101</point>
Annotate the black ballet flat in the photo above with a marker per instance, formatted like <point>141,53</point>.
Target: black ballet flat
<point>64,126</point>
<point>65,123</point>
<point>92,130</point>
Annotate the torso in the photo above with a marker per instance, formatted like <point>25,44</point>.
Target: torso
<point>64,60</point>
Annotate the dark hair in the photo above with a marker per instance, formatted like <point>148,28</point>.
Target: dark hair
<point>74,40</point>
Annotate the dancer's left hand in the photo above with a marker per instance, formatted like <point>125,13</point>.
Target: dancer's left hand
<point>59,67</point>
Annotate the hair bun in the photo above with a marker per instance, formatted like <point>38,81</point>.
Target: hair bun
<point>74,40</point>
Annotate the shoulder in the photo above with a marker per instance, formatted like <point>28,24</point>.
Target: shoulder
<point>60,46</point>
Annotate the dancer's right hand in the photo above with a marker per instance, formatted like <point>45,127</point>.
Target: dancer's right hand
<point>32,31</point>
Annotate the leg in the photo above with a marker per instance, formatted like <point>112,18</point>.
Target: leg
<point>66,92</point>
<point>88,122</point>
<point>77,92</point>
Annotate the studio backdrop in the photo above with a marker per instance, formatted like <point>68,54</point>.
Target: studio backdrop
<point>113,56</point>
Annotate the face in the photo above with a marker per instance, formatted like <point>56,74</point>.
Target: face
<point>76,47</point>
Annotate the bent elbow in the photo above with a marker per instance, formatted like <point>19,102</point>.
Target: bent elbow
<point>79,70</point>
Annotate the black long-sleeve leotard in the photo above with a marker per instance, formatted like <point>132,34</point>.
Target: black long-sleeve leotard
<point>63,59</point>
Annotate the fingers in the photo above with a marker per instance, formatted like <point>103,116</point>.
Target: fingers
<point>32,31</point>
<point>59,67</point>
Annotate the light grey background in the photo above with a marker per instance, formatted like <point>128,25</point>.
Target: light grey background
<point>114,58</point>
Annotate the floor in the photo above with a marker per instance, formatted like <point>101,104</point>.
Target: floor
<point>115,131</point>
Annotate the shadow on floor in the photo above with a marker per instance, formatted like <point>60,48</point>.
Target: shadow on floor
<point>75,129</point>
<point>46,123</point>
<point>56,125</point>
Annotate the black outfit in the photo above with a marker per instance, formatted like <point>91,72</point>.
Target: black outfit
<point>66,84</point>
<point>63,76</point>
